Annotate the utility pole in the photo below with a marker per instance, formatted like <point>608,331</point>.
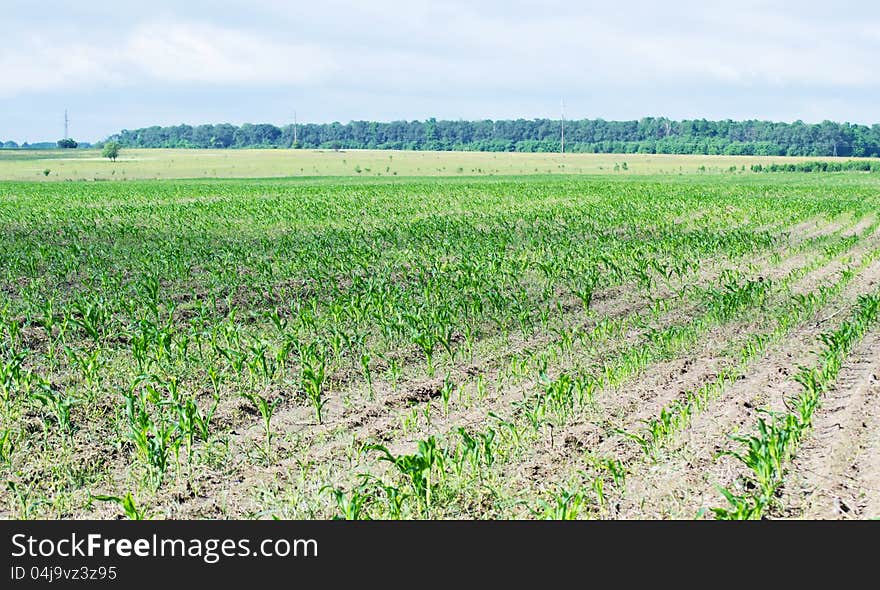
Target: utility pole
<point>66,123</point>
<point>562,142</point>
<point>294,129</point>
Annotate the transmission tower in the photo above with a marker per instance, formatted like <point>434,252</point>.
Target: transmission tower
<point>66,124</point>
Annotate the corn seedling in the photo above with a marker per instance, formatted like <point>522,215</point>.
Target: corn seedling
<point>126,502</point>
<point>312,377</point>
<point>417,469</point>
<point>351,506</point>
<point>266,409</point>
<point>563,505</point>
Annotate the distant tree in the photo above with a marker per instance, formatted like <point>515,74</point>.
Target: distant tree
<point>67,144</point>
<point>111,150</point>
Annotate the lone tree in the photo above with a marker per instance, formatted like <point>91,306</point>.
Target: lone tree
<point>67,143</point>
<point>111,151</point>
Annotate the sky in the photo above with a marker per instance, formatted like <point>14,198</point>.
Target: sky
<point>122,65</point>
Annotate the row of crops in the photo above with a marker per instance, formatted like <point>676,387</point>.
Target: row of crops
<point>446,348</point>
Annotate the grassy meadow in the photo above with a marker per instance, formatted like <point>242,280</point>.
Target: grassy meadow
<point>253,163</point>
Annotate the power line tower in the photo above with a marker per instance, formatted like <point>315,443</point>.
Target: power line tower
<point>562,139</point>
<point>66,124</point>
<point>294,129</point>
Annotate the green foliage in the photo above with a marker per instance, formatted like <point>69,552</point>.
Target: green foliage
<point>351,506</point>
<point>848,166</point>
<point>266,409</point>
<point>649,135</point>
<point>417,469</point>
<point>313,373</point>
<point>127,503</point>
<point>111,150</point>
<point>563,505</point>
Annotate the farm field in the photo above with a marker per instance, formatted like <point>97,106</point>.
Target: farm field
<point>547,346</point>
<point>151,164</point>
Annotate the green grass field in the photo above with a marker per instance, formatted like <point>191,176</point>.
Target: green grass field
<point>544,346</point>
<point>159,164</point>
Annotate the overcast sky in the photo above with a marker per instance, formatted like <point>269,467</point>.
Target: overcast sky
<point>119,64</point>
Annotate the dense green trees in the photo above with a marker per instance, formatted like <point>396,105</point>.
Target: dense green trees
<point>846,166</point>
<point>649,135</point>
<point>45,145</point>
<point>111,150</point>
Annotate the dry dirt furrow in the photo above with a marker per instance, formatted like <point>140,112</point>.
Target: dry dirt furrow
<point>684,478</point>
<point>861,226</point>
<point>836,473</point>
<point>869,456</point>
<point>560,456</point>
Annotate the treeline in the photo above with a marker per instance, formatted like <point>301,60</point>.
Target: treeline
<point>45,145</point>
<point>649,135</point>
<point>848,166</point>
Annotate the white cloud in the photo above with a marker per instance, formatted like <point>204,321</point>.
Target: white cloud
<point>753,61</point>
<point>201,53</point>
<point>39,66</point>
<point>466,47</point>
<point>160,52</point>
